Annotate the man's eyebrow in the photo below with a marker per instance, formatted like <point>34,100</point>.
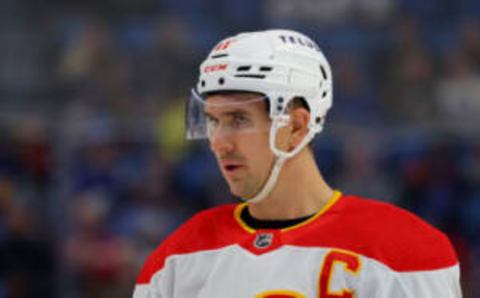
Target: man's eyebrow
<point>228,113</point>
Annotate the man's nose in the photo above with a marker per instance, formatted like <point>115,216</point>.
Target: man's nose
<point>221,143</point>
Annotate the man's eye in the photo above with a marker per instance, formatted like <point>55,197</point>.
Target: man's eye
<point>213,122</point>
<point>241,120</point>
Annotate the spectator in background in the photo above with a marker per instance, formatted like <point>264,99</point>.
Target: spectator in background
<point>353,93</point>
<point>326,12</point>
<point>408,76</point>
<point>27,264</point>
<point>457,90</point>
<point>98,259</point>
<point>470,40</point>
<point>361,165</point>
<point>165,68</point>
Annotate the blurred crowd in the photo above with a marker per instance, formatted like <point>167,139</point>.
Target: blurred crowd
<point>94,169</point>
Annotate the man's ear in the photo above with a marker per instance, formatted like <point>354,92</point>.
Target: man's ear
<point>299,119</point>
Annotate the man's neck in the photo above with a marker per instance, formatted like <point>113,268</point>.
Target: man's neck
<point>300,191</point>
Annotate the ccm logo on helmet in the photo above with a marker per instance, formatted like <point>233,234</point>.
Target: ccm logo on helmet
<point>297,40</point>
<point>215,67</point>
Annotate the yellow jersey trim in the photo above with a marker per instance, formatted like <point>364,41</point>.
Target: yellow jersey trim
<point>333,199</point>
<point>238,211</point>
<point>283,293</point>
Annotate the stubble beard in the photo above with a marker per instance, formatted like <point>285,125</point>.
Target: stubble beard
<point>242,187</point>
<point>246,186</point>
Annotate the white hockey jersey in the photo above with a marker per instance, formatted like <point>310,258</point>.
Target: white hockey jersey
<point>354,247</point>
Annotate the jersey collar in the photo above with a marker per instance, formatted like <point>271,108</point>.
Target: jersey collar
<point>239,208</point>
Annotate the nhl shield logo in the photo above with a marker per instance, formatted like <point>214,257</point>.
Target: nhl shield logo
<point>263,240</point>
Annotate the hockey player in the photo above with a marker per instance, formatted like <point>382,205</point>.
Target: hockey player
<point>260,99</point>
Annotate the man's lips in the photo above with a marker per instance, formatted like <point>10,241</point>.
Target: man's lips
<point>230,166</point>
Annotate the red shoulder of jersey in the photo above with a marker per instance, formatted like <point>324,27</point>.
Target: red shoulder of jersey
<point>201,232</point>
<point>381,231</point>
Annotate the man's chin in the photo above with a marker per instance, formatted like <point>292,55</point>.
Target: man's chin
<point>241,193</point>
<point>236,192</point>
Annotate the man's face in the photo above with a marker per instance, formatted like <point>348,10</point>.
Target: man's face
<point>239,138</point>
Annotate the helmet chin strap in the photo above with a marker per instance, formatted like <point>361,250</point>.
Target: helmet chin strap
<point>281,157</point>
<point>271,181</point>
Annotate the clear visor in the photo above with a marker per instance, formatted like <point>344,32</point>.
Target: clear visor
<point>225,115</point>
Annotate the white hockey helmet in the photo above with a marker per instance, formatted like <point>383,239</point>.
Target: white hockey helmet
<point>281,65</point>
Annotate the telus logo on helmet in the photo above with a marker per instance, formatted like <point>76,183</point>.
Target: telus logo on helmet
<point>297,40</point>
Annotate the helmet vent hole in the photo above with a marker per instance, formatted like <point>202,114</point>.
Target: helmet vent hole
<point>318,120</point>
<point>252,76</point>
<point>324,73</point>
<point>324,94</point>
<point>280,99</point>
<point>219,56</point>
<point>266,68</point>
<point>202,83</point>
<point>244,68</point>
<point>221,81</point>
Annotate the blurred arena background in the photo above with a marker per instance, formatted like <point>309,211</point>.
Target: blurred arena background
<point>94,171</point>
